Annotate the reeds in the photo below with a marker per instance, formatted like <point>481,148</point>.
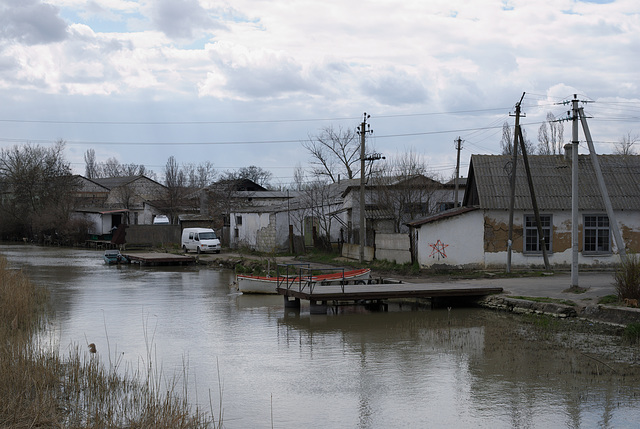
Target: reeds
<point>627,277</point>
<point>40,388</point>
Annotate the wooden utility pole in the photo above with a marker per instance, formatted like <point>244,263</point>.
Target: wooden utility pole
<point>512,181</point>
<point>536,212</point>
<point>534,202</point>
<point>455,194</point>
<point>363,129</point>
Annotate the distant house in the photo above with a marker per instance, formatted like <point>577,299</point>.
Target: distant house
<point>476,235</point>
<point>327,214</point>
<point>108,202</point>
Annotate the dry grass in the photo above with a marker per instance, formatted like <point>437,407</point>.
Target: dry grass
<point>627,277</point>
<point>39,388</point>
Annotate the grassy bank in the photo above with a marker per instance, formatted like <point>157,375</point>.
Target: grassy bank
<point>40,388</point>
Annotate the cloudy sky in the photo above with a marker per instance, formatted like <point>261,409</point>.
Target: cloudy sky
<point>244,82</point>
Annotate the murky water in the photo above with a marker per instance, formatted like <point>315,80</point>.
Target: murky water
<point>404,368</point>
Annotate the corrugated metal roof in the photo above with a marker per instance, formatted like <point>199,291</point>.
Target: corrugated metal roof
<point>551,176</point>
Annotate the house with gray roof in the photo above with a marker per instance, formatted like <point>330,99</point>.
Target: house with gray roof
<point>476,235</point>
<point>108,202</point>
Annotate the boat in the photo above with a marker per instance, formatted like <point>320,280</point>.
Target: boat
<point>113,256</point>
<point>268,285</point>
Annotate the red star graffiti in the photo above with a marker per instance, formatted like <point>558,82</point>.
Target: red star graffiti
<point>437,250</point>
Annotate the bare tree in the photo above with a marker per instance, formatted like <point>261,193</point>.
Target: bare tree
<point>550,136</point>
<point>298,178</point>
<point>403,189</point>
<point>175,182</point>
<point>506,142</point>
<point>334,153</point>
<point>111,168</point>
<point>205,174</point>
<point>125,196</point>
<point>91,170</point>
<point>256,174</point>
<point>624,146</point>
<point>37,187</point>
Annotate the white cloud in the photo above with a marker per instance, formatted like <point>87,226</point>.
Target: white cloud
<point>31,22</point>
<point>283,59</point>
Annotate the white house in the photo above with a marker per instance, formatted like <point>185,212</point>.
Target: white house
<point>476,235</point>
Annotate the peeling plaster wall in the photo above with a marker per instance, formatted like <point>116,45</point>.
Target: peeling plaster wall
<point>496,233</point>
<point>479,240</point>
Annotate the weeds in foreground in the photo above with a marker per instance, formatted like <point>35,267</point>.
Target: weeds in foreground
<point>39,388</point>
<point>608,299</point>
<point>627,277</point>
<point>631,333</point>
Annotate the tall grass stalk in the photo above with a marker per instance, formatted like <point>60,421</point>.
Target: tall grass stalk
<point>627,277</point>
<point>41,388</point>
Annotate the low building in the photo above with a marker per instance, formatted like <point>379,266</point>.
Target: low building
<point>108,202</point>
<point>476,235</point>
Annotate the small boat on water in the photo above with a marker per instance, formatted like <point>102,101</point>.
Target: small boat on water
<point>113,256</point>
<point>268,285</point>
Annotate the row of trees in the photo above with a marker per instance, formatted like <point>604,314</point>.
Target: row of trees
<point>36,189</point>
<point>551,139</point>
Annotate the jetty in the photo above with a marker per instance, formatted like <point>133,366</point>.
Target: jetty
<point>320,294</point>
<point>159,259</point>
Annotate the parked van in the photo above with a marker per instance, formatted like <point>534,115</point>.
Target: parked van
<point>200,240</point>
<point>161,220</point>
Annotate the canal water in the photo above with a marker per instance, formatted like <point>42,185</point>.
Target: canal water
<point>351,368</point>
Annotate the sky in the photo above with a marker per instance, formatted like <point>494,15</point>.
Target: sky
<point>245,82</point>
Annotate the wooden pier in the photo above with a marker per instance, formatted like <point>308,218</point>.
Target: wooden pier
<point>375,290</point>
<point>157,259</point>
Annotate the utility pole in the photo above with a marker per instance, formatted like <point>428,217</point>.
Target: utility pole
<point>574,193</point>
<point>577,113</point>
<point>534,203</point>
<point>603,187</point>
<point>512,199</point>
<point>455,194</point>
<point>363,129</point>
<point>536,213</point>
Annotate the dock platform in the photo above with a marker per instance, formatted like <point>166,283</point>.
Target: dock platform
<point>157,259</point>
<point>376,290</point>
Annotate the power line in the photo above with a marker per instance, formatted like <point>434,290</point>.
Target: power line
<point>247,121</point>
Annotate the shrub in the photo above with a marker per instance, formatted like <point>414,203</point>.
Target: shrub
<point>631,333</point>
<point>627,277</point>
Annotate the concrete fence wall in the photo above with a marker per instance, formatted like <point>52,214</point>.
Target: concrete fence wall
<point>154,235</point>
<point>352,251</point>
<point>393,247</point>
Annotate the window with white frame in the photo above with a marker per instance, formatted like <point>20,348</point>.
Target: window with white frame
<point>597,238</point>
<point>531,237</point>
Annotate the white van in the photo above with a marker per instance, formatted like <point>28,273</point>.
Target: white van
<point>200,240</point>
<point>161,220</point>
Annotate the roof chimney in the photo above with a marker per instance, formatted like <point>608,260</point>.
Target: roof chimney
<point>568,150</point>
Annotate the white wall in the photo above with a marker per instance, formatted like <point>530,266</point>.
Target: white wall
<point>457,241</point>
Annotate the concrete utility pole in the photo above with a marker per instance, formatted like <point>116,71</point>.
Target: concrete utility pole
<point>455,194</point>
<point>613,223</point>
<point>363,129</point>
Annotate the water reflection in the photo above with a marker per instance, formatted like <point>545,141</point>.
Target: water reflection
<point>356,368</point>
